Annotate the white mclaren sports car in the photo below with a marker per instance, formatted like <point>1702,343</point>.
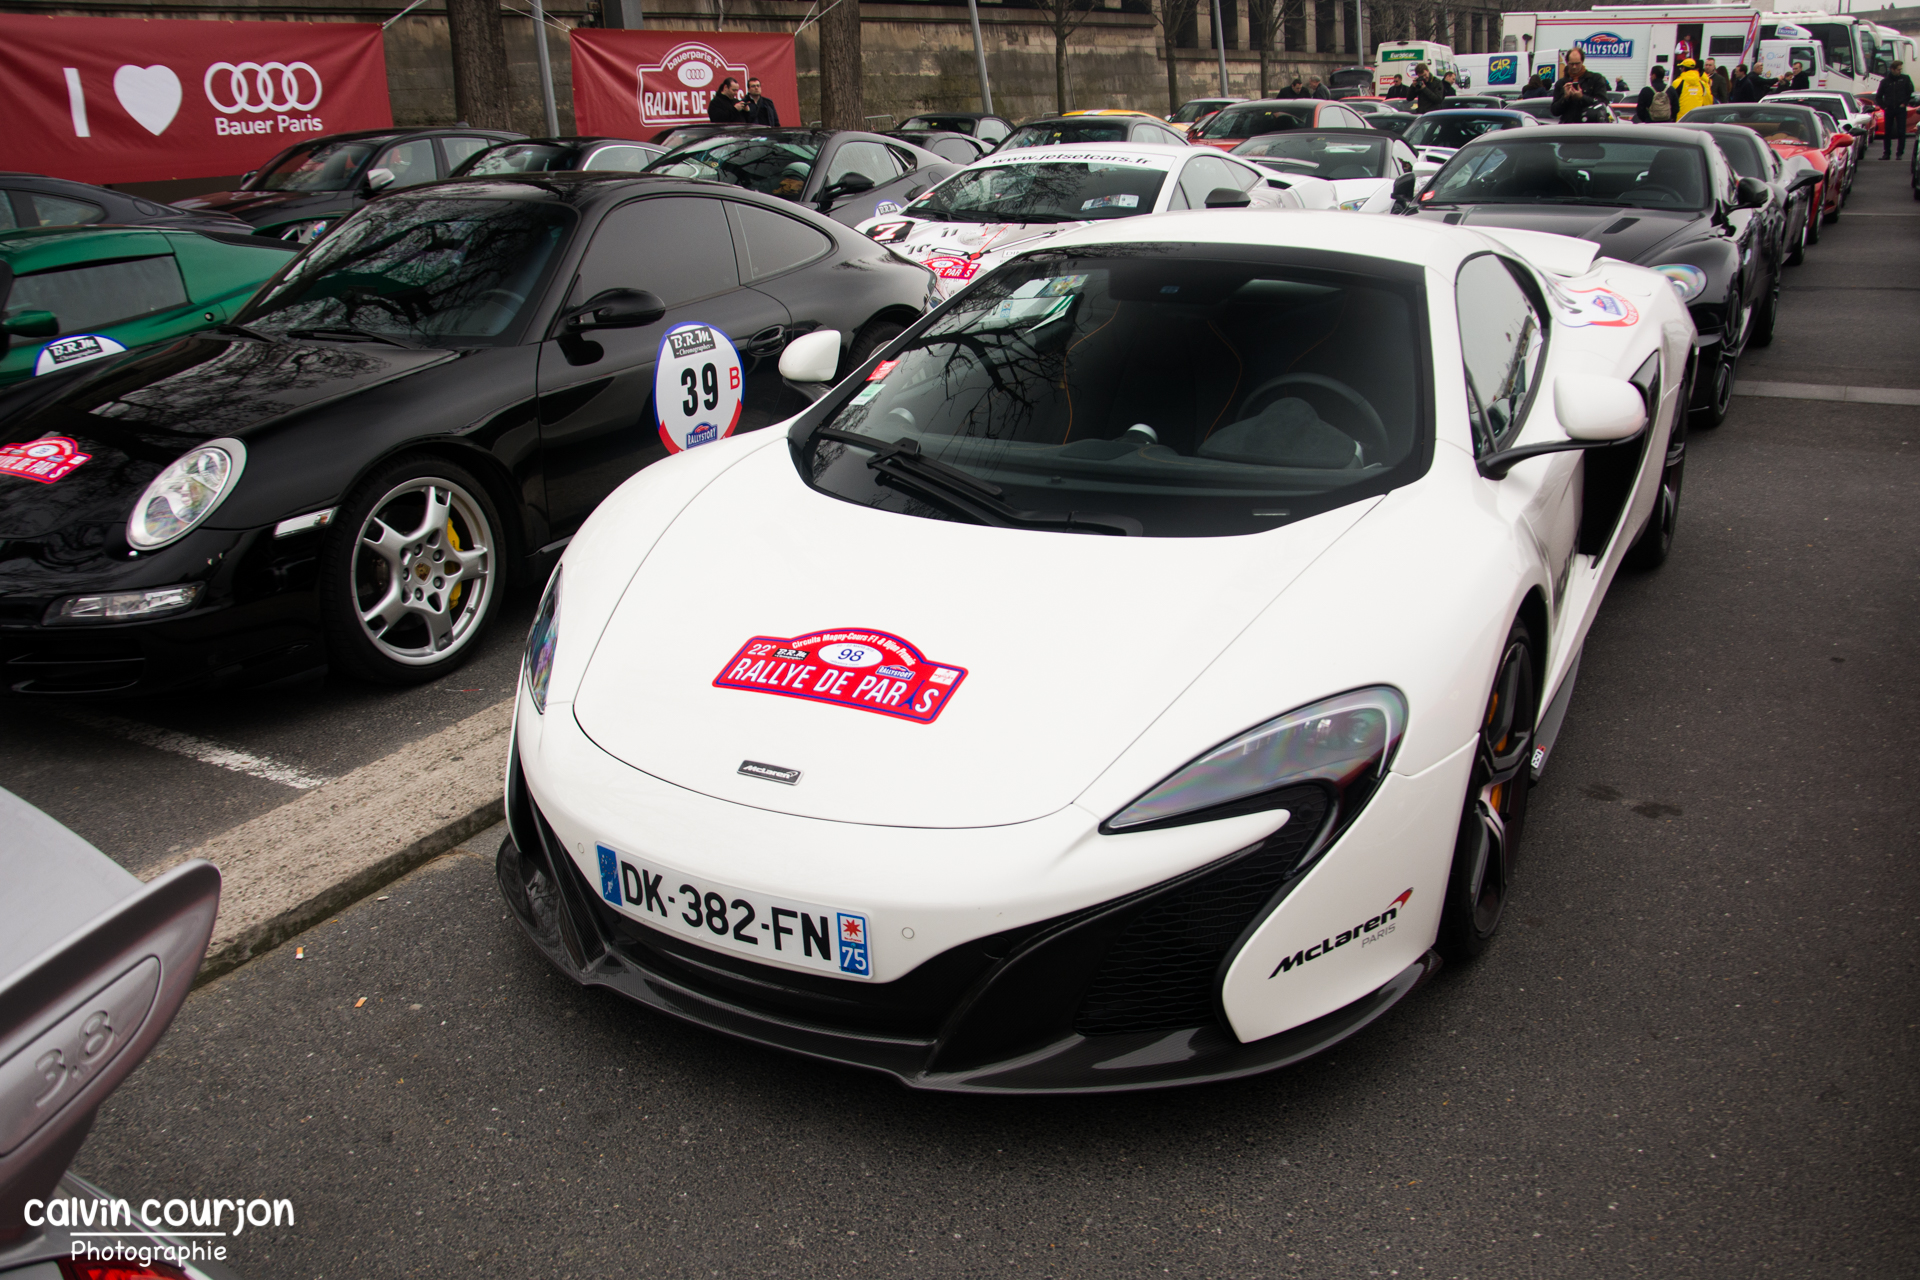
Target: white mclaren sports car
<point>1013,200</point>
<point>1131,676</point>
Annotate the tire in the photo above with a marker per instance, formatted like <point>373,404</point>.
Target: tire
<point>1650,550</point>
<point>1816,220</point>
<point>407,522</point>
<point>1834,217</point>
<point>1768,313</point>
<point>1487,845</point>
<point>876,335</point>
<point>1798,254</point>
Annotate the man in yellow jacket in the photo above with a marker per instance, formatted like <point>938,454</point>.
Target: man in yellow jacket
<point>1695,89</point>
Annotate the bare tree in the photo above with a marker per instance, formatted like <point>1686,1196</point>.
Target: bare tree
<point>1171,16</point>
<point>842,104</point>
<point>1270,20</point>
<point>480,81</point>
<point>1063,18</point>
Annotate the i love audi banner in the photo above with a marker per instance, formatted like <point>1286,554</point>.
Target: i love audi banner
<point>136,100</point>
<point>632,84</point>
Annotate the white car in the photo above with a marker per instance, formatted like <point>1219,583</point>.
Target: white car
<point>1131,676</point>
<point>1436,135</point>
<point>1347,169</point>
<point>1012,200</point>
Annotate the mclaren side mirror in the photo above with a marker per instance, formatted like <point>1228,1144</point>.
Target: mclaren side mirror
<point>1594,410</point>
<point>1228,198</point>
<point>1805,182</point>
<point>30,324</point>
<point>381,179</point>
<point>1404,187</point>
<point>852,184</point>
<point>812,359</point>
<point>616,309</point>
<point>1751,193</point>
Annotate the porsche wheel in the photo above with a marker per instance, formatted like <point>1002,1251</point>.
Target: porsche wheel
<point>1490,825</point>
<point>409,578</point>
<point>876,335</point>
<point>1719,397</point>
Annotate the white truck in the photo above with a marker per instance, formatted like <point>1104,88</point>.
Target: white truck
<point>1494,72</point>
<point>1625,42</point>
<point>1400,57</point>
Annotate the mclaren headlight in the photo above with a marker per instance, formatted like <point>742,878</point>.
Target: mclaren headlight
<point>1343,744</point>
<point>542,638</point>
<point>1354,206</point>
<point>1688,280</point>
<point>186,493</point>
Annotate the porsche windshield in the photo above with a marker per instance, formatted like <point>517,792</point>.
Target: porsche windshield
<point>1049,191</point>
<point>424,270</point>
<point>1528,169</point>
<point>1449,130</point>
<point>1065,133</point>
<point>323,166</point>
<point>1153,390</point>
<point>1320,156</point>
<point>771,165</point>
<point>1251,122</point>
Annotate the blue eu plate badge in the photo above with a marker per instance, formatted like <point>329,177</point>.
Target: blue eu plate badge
<point>609,876</point>
<point>853,943</point>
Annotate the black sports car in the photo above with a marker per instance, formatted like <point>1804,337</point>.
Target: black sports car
<point>1790,187</point>
<point>415,413</point>
<point>848,175</point>
<point>560,155</point>
<point>312,185</point>
<point>1659,195</point>
<point>31,200</point>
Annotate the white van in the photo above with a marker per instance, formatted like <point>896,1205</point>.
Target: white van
<point>1400,57</point>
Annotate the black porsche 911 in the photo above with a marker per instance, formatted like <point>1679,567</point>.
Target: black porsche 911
<point>410,417</point>
<point>1658,195</point>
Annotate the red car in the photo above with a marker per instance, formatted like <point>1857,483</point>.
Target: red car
<point>1792,131</point>
<point>1231,126</point>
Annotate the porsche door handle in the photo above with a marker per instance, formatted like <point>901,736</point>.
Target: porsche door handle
<point>767,342</point>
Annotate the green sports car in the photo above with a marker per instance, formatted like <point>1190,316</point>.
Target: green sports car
<point>73,294</point>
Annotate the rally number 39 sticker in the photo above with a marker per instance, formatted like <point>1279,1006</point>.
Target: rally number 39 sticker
<point>848,667</point>
<point>696,387</point>
<point>47,459</point>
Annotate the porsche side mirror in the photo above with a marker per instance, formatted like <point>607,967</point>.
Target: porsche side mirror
<point>381,179</point>
<point>1403,188</point>
<point>812,359</point>
<point>1842,139</point>
<point>1751,193</point>
<point>852,184</point>
<point>30,324</point>
<point>616,309</point>
<point>1594,410</point>
<point>1228,198</point>
<point>247,177</point>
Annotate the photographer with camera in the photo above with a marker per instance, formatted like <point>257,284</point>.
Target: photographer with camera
<point>1581,95</point>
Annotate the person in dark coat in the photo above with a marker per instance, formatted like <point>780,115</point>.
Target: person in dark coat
<point>724,107</point>
<point>1799,80</point>
<point>1748,85</point>
<point>1295,89</point>
<point>760,108</point>
<point>1647,110</point>
<point>1429,93</point>
<point>1895,92</point>
<point>1315,89</point>
<point>1399,90</point>
<point>1541,86</point>
<point>1579,90</point>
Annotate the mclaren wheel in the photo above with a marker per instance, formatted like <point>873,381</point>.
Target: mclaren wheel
<point>1485,851</point>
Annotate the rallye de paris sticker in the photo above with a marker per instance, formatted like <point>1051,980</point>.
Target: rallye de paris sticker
<point>847,667</point>
<point>78,349</point>
<point>744,921</point>
<point>950,268</point>
<point>1601,307</point>
<point>696,386</point>
<point>47,459</point>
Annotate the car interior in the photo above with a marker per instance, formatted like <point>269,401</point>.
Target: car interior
<point>1648,176</point>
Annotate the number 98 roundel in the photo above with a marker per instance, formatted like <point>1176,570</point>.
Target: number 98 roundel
<point>696,386</point>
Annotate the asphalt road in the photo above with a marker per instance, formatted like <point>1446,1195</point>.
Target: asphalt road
<point>1689,1054</point>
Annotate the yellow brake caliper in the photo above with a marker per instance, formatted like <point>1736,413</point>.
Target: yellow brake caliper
<point>459,588</point>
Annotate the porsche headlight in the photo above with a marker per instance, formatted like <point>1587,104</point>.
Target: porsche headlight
<point>186,493</point>
<point>542,637</point>
<point>1344,743</point>
<point>304,232</point>
<point>1688,281</point>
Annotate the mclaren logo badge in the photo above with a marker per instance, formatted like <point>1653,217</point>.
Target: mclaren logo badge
<point>771,772</point>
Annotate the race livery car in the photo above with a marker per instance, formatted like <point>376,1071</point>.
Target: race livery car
<point>1176,621</point>
<point>1012,200</point>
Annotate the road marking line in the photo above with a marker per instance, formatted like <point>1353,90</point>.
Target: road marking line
<point>1826,391</point>
<point>213,753</point>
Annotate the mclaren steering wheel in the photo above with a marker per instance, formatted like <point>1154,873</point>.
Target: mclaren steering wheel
<point>1372,438</point>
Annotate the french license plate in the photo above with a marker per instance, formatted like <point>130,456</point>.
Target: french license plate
<point>744,922</point>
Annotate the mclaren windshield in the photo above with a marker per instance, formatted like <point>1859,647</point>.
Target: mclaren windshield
<point>1524,168</point>
<point>1046,191</point>
<point>1456,129</point>
<point>425,270</point>
<point>1333,157</point>
<point>1165,390</point>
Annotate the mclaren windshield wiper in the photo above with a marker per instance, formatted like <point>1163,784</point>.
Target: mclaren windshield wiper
<point>902,464</point>
<point>245,331</point>
<point>351,334</point>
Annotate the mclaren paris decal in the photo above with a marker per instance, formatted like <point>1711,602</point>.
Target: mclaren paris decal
<point>1601,307</point>
<point>742,921</point>
<point>847,667</point>
<point>696,387</point>
<point>1368,931</point>
<point>46,460</point>
<point>78,349</point>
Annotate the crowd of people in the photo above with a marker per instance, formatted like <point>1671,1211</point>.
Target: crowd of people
<point>732,105</point>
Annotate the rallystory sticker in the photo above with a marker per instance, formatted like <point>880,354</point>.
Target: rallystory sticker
<point>78,349</point>
<point>847,667</point>
<point>46,460</point>
<point>696,387</point>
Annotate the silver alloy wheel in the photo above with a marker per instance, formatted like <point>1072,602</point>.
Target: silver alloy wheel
<point>423,571</point>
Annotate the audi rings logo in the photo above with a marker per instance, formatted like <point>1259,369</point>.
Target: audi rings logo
<point>262,86</point>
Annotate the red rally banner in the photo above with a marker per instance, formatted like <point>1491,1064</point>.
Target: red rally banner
<point>147,100</point>
<point>633,84</point>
